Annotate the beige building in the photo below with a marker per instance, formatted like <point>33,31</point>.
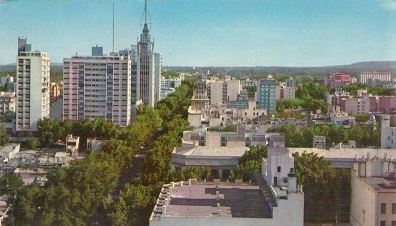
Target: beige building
<point>7,102</point>
<point>32,88</point>
<point>220,151</point>
<point>97,87</point>
<point>373,199</point>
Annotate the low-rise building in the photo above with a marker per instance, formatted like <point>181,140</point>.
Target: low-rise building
<point>222,203</point>
<point>319,142</point>
<point>72,143</point>
<point>8,152</point>
<point>373,198</point>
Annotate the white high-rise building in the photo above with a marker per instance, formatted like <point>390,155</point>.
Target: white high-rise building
<point>32,87</point>
<point>157,75</point>
<point>148,84</point>
<point>97,87</point>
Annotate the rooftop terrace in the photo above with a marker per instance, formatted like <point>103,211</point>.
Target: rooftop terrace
<point>211,199</point>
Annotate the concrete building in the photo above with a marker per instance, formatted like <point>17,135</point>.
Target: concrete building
<point>387,104</point>
<point>388,131</point>
<point>148,82</point>
<point>7,102</point>
<point>266,94</point>
<point>319,142</point>
<point>218,150</point>
<point>168,85</point>
<point>198,111</point>
<point>97,87</point>
<point>157,75</point>
<point>373,198</point>
<point>222,90</point>
<point>366,76</point>
<point>286,90</point>
<point>356,105</point>
<point>220,203</point>
<point>337,79</point>
<point>32,88</point>
<point>72,143</point>
<point>55,91</point>
<point>7,152</point>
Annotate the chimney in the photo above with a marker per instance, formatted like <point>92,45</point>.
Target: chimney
<point>292,182</point>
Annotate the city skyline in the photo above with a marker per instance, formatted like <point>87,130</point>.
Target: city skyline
<point>209,33</point>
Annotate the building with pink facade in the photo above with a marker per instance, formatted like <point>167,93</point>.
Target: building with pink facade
<point>337,79</point>
<point>386,104</point>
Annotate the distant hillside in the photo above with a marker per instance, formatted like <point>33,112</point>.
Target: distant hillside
<point>296,72</point>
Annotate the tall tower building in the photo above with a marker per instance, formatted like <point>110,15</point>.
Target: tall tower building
<point>32,88</point>
<point>146,74</point>
<point>98,87</point>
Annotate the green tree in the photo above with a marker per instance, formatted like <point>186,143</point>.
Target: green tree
<point>32,142</point>
<point>3,136</point>
<point>324,188</point>
<point>250,163</point>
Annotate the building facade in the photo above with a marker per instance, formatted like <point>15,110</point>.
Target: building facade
<point>7,102</point>
<point>148,66</point>
<point>97,87</point>
<point>382,76</point>
<point>32,87</point>
<point>373,197</point>
<point>266,95</point>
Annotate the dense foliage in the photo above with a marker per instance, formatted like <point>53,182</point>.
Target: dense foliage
<point>76,195</point>
<point>334,135</point>
<point>376,91</point>
<point>250,163</point>
<point>3,136</point>
<point>327,191</point>
<point>308,96</point>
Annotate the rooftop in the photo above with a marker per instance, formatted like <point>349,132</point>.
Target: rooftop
<point>202,198</point>
<point>381,183</point>
<point>212,151</point>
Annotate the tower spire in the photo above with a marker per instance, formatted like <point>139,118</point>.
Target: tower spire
<point>145,11</point>
<point>146,18</point>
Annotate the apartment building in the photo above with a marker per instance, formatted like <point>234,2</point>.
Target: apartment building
<point>266,95</point>
<point>32,88</point>
<point>97,87</point>
<point>367,77</point>
<point>7,102</point>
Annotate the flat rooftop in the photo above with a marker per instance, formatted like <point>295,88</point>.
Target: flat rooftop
<point>212,151</point>
<point>381,183</point>
<point>201,199</point>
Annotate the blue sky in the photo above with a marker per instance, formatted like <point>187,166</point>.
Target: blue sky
<point>209,32</point>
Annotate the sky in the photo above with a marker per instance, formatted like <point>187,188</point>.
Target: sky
<point>208,32</point>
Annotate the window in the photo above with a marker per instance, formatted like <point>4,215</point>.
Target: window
<point>393,208</point>
<point>393,223</point>
<point>285,180</point>
<point>383,208</point>
<point>382,223</point>
<point>279,169</point>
